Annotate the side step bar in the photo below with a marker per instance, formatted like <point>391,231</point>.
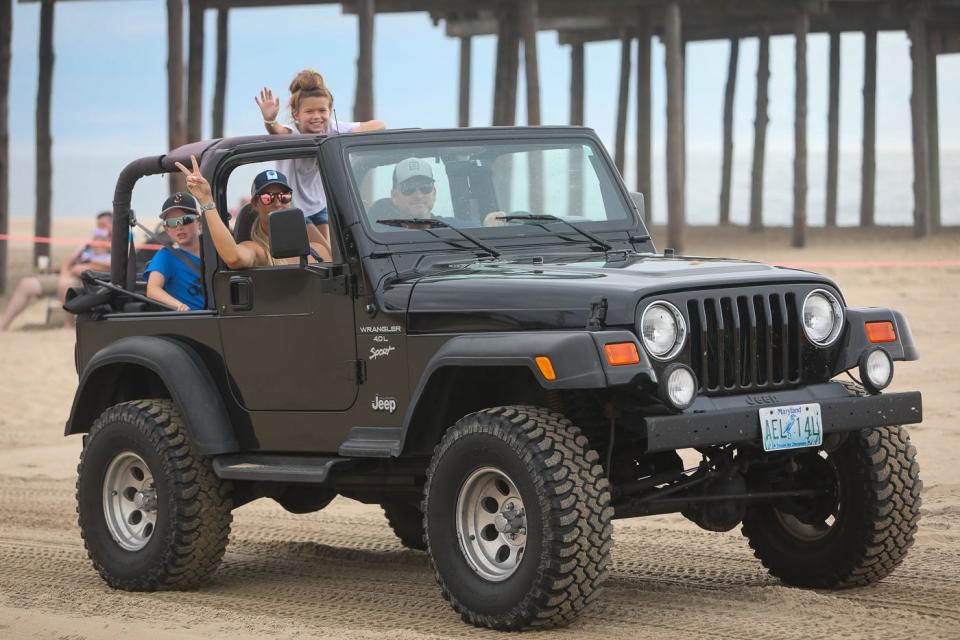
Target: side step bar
<point>274,468</point>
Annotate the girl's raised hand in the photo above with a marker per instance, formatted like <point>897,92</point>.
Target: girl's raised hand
<point>197,185</point>
<point>269,105</point>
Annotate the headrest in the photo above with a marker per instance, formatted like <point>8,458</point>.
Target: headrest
<point>244,223</point>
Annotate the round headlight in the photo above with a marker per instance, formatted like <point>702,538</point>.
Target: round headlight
<point>822,317</point>
<point>678,386</point>
<point>662,330</point>
<point>876,370</point>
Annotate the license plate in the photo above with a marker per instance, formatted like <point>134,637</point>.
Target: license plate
<point>791,427</point>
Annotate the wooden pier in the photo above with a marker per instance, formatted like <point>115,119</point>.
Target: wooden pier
<point>933,27</point>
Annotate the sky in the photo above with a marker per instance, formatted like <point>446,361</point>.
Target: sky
<point>109,90</point>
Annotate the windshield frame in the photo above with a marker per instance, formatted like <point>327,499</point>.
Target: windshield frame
<point>505,237</point>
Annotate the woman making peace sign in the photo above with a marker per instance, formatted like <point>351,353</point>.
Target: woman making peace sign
<point>270,193</point>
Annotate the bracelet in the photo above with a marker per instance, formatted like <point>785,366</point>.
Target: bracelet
<point>269,123</point>
<point>208,206</point>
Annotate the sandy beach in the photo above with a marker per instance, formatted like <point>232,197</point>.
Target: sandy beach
<point>340,573</point>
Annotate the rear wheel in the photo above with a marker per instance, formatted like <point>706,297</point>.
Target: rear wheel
<point>862,532</point>
<point>152,513</point>
<point>406,521</point>
<point>518,518</point>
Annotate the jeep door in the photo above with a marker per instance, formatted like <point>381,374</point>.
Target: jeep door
<point>288,337</point>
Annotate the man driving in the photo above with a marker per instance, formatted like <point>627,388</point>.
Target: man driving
<point>413,194</point>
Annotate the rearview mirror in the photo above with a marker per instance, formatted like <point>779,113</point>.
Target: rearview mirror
<point>288,234</point>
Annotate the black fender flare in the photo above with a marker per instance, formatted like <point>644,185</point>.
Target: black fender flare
<point>181,371</point>
<point>856,342</point>
<point>577,358</point>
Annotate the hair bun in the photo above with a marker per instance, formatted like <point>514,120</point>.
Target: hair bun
<point>307,84</point>
<point>308,80</point>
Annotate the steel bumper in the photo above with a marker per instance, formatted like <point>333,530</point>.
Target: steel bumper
<point>742,425</point>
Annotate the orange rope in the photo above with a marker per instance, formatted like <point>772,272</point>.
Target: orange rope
<point>70,241</point>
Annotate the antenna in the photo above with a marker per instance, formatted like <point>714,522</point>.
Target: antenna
<point>336,123</point>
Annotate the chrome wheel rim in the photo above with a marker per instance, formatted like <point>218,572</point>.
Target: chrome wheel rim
<point>129,501</point>
<point>491,524</point>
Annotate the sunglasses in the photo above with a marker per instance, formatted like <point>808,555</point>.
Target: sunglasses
<point>180,221</point>
<point>284,198</point>
<point>423,188</point>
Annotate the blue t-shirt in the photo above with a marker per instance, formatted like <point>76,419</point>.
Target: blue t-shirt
<point>179,280</point>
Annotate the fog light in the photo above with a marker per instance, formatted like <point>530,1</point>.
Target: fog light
<point>876,370</point>
<point>678,386</point>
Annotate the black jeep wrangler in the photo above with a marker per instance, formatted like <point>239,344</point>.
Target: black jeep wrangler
<point>505,367</point>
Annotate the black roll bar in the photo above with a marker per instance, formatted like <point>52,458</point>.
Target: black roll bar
<point>119,246</point>
<point>152,165</point>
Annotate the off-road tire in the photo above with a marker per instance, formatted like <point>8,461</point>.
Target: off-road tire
<point>406,521</point>
<point>567,503</point>
<point>193,505</point>
<point>879,481</point>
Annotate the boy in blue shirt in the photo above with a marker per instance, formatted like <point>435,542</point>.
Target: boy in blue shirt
<point>174,276</point>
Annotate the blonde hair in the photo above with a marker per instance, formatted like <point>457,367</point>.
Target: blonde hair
<point>308,84</point>
<point>259,235</point>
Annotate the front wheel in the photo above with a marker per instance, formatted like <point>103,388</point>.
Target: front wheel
<point>153,515</point>
<point>862,532</point>
<point>518,518</point>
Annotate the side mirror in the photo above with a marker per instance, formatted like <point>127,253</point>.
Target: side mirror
<point>288,234</point>
<point>638,202</point>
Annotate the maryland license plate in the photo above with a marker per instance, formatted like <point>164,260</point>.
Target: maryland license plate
<point>791,427</point>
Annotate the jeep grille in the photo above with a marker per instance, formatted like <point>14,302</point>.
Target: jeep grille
<point>744,342</point>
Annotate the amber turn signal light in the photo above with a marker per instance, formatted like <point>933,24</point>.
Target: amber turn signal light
<point>880,332</point>
<point>546,367</point>
<point>621,353</point>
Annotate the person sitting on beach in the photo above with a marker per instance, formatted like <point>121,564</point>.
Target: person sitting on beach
<point>270,192</point>
<point>174,276</point>
<point>94,256</point>
<point>311,105</point>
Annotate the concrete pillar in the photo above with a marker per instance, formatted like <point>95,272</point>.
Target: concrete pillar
<point>220,86</point>
<point>463,111</point>
<point>676,213</point>
<point>644,115</point>
<point>363,103</point>
<point>195,72</point>
<point>176,132</point>
<point>44,141</point>
<point>760,121</point>
<point>868,170</point>
<point>727,166</point>
<point>921,135</point>
<point>800,28</point>
<point>833,130</point>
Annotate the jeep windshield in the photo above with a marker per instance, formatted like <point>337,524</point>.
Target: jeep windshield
<point>500,192</point>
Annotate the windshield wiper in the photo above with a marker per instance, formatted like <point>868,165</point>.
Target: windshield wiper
<point>545,217</point>
<point>434,223</point>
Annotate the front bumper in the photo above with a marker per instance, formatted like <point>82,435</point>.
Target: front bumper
<point>742,424</point>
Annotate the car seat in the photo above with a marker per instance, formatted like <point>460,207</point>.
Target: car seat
<point>244,223</point>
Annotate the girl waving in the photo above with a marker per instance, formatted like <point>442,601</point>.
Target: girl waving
<point>311,106</point>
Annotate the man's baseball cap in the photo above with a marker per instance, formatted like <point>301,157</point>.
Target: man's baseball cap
<point>266,178</point>
<point>411,168</point>
<point>179,200</point>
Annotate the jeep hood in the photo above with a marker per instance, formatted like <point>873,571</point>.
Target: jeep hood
<point>510,295</point>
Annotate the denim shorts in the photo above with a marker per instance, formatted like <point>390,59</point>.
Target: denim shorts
<point>319,218</point>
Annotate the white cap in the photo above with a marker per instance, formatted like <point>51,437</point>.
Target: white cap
<point>411,168</point>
